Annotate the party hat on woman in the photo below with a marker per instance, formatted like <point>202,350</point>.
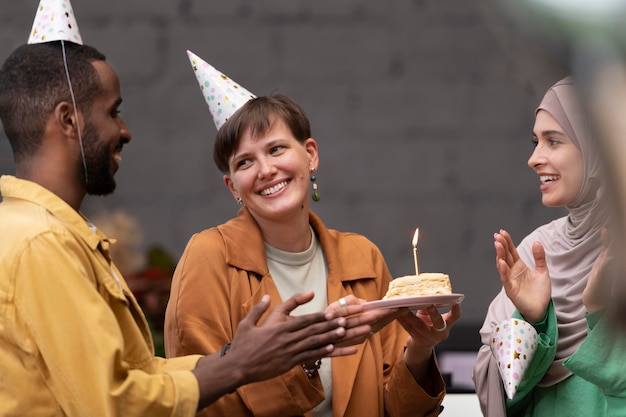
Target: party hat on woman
<point>513,345</point>
<point>55,21</point>
<point>222,94</point>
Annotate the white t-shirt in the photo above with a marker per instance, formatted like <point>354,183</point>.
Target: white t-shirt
<point>298,272</point>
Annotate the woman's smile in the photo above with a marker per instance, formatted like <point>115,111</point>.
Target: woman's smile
<point>548,181</point>
<point>274,188</point>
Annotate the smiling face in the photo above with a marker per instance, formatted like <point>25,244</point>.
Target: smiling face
<point>557,161</point>
<point>104,135</point>
<point>271,173</point>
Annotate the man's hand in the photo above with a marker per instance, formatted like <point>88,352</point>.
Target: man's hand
<point>374,319</point>
<point>282,341</point>
<point>263,351</point>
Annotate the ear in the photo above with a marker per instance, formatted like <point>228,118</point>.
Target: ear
<point>65,119</point>
<point>230,186</point>
<point>310,145</point>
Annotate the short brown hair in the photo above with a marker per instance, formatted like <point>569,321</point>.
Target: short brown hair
<point>258,115</point>
<point>33,81</point>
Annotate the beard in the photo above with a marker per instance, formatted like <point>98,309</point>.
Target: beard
<point>99,175</point>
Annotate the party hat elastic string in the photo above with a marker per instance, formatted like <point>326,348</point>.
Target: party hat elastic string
<point>80,137</point>
<point>55,21</point>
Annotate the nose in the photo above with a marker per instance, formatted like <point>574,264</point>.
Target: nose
<point>266,167</point>
<point>537,158</point>
<point>124,131</point>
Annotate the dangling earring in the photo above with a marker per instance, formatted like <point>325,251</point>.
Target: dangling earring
<point>239,200</point>
<point>315,195</point>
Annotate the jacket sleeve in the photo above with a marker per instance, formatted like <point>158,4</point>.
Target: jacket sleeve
<point>208,299</point>
<point>86,341</point>
<point>485,374</point>
<point>600,360</point>
<point>489,388</point>
<point>542,359</point>
<point>405,397</point>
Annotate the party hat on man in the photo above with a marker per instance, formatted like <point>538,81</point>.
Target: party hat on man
<point>222,94</point>
<point>513,345</point>
<point>55,21</point>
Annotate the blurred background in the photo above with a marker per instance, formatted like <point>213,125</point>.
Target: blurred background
<point>423,111</point>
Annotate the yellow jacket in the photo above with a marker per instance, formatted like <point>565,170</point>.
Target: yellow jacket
<point>73,341</point>
<point>223,273</point>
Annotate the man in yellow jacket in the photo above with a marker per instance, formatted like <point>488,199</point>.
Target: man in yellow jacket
<point>73,341</point>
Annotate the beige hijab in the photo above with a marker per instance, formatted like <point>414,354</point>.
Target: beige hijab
<point>572,244</point>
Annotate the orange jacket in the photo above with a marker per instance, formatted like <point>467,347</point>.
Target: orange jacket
<point>223,273</point>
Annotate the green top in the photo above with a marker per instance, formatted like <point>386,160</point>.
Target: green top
<point>600,361</point>
<point>572,397</point>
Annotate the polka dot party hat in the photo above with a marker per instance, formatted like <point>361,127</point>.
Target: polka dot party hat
<point>55,21</point>
<point>513,344</point>
<point>222,94</point>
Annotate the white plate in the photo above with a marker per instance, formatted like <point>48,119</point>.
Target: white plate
<point>415,303</point>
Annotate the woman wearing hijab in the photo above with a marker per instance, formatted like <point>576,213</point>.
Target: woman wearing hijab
<point>276,245</point>
<point>544,277</point>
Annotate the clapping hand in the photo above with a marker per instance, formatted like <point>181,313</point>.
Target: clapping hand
<point>529,290</point>
<point>282,341</point>
<point>260,351</point>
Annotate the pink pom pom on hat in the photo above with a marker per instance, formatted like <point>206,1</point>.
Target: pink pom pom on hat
<point>55,21</point>
<point>222,94</point>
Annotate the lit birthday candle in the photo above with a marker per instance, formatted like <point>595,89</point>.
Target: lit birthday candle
<point>415,236</point>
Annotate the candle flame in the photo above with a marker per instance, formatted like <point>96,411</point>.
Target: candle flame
<point>415,236</point>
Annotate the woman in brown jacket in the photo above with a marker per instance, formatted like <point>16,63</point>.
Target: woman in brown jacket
<point>276,245</point>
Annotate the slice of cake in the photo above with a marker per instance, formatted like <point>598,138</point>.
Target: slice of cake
<point>427,283</point>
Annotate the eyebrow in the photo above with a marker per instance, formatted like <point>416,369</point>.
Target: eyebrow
<point>550,133</point>
<point>276,141</point>
<point>239,157</point>
<point>268,145</point>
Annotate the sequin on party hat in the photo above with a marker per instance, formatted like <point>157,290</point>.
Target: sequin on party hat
<point>55,21</point>
<point>222,94</point>
<point>513,345</point>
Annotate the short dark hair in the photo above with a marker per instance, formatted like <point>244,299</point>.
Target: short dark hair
<point>258,115</point>
<point>33,81</point>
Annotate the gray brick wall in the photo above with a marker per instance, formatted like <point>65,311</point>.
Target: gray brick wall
<point>422,109</point>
